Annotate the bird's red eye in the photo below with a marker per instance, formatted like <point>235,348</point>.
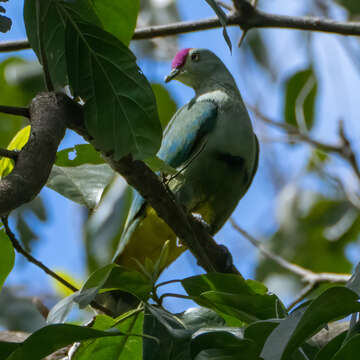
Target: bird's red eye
<point>195,57</point>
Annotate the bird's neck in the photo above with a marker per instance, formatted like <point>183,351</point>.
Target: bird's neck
<point>217,81</point>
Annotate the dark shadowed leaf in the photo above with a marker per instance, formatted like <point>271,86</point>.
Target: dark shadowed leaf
<point>120,108</point>
<point>300,96</point>
<point>7,257</point>
<point>51,338</point>
<point>246,300</point>
<point>53,15</point>
<point>83,184</point>
<point>114,277</point>
<point>331,347</point>
<point>333,304</point>
<point>78,155</point>
<point>115,348</point>
<point>350,350</point>
<point>352,6</point>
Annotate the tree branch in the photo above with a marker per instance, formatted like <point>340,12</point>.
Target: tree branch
<point>35,160</point>
<point>251,18</point>
<point>306,275</point>
<point>17,246</point>
<point>11,154</point>
<point>14,110</point>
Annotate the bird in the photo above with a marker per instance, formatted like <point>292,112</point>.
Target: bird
<point>211,143</point>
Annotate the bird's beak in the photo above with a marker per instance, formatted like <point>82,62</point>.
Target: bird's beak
<point>174,72</point>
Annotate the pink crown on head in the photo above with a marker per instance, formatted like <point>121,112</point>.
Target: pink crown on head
<point>179,59</point>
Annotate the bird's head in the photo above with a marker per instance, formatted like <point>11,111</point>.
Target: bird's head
<point>192,66</point>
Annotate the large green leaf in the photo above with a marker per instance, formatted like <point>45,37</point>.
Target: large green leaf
<point>49,339</point>
<point>118,17</point>
<point>45,24</point>
<point>120,108</point>
<point>83,184</point>
<point>116,348</point>
<point>300,96</point>
<point>246,300</point>
<point>335,303</point>
<point>7,257</point>
<point>331,347</point>
<point>114,277</point>
<point>78,155</point>
<point>350,350</point>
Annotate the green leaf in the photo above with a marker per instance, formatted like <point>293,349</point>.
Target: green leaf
<point>17,143</point>
<point>352,6</point>
<point>118,18</point>
<point>83,184</point>
<point>331,347</point>
<point>350,350</point>
<point>300,96</point>
<point>116,348</point>
<point>232,295</point>
<point>7,257</point>
<point>225,343</point>
<point>104,226</point>
<point>259,331</point>
<point>165,103</point>
<point>49,339</point>
<point>78,155</point>
<point>53,15</point>
<point>333,304</point>
<point>223,20</point>
<point>120,108</point>
<point>114,277</point>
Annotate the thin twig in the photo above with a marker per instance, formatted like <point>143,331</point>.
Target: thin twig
<point>178,296</point>
<point>17,246</point>
<point>15,110</point>
<point>304,293</point>
<point>11,154</point>
<point>306,275</point>
<point>258,19</point>
<point>167,283</point>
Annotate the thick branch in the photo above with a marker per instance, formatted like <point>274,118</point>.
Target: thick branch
<point>14,110</point>
<point>35,160</point>
<point>251,18</point>
<point>211,256</point>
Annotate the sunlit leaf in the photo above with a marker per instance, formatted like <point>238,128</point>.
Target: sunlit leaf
<point>118,18</point>
<point>83,184</point>
<point>17,143</point>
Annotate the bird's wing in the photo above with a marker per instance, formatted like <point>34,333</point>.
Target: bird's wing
<point>185,132</point>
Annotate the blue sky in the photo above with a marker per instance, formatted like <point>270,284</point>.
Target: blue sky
<point>61,238</point>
